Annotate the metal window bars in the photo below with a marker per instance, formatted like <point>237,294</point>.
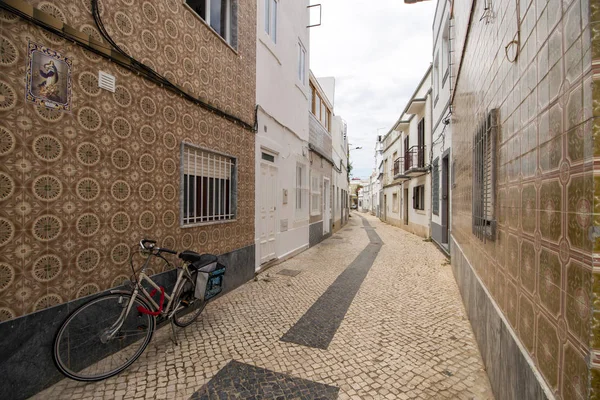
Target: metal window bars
<point>208,186</point>
<point>435,187</point>
<point>484,178</point>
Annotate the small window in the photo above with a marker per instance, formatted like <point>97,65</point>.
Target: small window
<point>435,187</point>
<point>301,63</point>
<point>301,190</point>
<point>395,202</point>
<point>268,157</point>
<point>209,186</point>
<point>271,19</point>
<point>217,14</point>
<point>315,195</point>
<point>419,197</point>
<point>436,78</point>
<point>484,178</point>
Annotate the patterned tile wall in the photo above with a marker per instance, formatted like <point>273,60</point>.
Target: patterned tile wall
<point>79,188</point>
<point>539,268</point>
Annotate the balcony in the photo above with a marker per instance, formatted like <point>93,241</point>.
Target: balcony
<point>399,174</point>
<point>414,162</point>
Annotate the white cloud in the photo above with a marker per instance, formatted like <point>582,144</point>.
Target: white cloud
<point>378,50</point>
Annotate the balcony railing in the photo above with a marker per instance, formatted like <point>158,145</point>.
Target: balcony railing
<point>412,164</point>
<point>414,158</point>
<point>397,163</point>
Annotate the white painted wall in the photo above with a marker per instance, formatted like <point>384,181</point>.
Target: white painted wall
<point>283,119</point>
<point>392,144</point>
<point>340,157</point>
<point>421,217</point>
<point>442,134</point>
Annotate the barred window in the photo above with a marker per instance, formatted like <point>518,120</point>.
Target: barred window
<point>484,178</point>
<point>209,186</point>
<point>435,187</point>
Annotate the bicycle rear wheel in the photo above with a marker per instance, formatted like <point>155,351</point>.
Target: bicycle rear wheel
<point>192,307</point>
<point>83,349</point>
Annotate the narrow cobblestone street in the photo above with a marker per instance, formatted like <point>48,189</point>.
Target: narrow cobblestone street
<point>403,336</point>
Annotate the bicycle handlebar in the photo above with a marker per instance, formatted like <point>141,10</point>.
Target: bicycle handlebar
<point>151,246</point>
<point>167,251</point>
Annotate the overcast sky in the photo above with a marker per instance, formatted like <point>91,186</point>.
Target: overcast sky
<point>378,51</point>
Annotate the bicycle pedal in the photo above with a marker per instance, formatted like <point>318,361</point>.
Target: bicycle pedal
<point>185,302</point>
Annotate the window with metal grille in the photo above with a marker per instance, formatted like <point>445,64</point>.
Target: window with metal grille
<point>435,187</point>
<point>209,186</point>
<point>484,178</point>
<point>419,197</point>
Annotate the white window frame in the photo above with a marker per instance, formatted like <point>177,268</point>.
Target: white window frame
<point>227,37</point>
<point>301,199</point>
<point>214,167</point>
<point>301,63</point>
<point>315,194</point>
<point>271,19</point>
<point>436,77</point>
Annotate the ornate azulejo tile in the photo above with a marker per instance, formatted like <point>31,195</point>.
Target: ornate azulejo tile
<point>575,375</point>
<point>547,350</point>
<point>527,323</point>
<point>578,301</point>
<point>549,281</point>
<point>529,207</point>
<point>528,266</point>
<point>550,210</point>
<point>580,196</point>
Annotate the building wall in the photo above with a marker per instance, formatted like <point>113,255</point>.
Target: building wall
<point>421,218</point>
<point>81,188</point>
<point>133,141</point>
<point>339,145</point>
<point>393,145</point>
<point>538,271</point>
<point>321,168</point>
<point>283,121</point>
<point>442,133</point>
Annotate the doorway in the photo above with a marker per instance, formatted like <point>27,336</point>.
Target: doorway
<point>268,209</point>
<point>445,200</point>
<point>327,203</point>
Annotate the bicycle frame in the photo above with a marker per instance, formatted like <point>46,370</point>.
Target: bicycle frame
<point>166,312</point>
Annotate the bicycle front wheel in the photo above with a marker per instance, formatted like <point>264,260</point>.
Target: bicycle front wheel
<point>90,345</point>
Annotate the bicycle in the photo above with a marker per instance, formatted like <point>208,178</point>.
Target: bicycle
<point>107,334</point>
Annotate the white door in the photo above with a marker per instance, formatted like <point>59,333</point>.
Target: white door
<point>327,211</point>
<point>268,211</point>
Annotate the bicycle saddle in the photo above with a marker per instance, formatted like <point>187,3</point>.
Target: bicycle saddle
<point>196,260</point>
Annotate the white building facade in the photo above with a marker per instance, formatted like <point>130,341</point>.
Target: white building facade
<point>408,175</point>
<point>376,178</point>
<point>441,155</point>
<point>282,97</point>
<point>339,173</point>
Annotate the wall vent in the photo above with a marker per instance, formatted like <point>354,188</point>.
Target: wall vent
<point>106,81</point>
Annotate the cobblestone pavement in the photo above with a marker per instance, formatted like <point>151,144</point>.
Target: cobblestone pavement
<point>404,335</point>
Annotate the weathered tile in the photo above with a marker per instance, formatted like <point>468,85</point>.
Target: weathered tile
<point>549,281</point>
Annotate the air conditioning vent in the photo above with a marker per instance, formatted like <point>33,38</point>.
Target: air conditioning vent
<point>106,81</point>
